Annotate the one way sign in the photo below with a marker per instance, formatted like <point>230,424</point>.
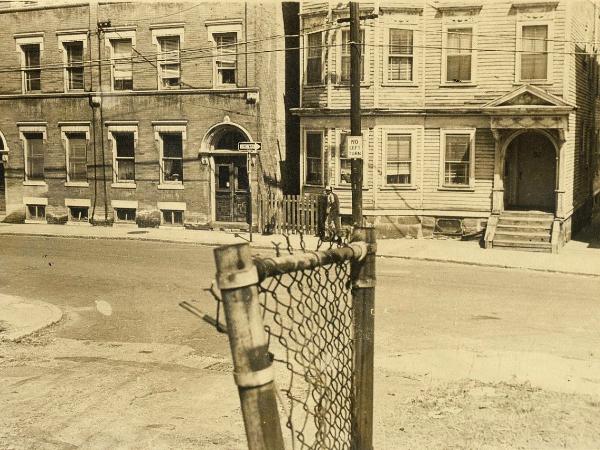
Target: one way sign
<point>249,146</point>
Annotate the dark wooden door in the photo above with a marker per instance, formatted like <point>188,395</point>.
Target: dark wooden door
<point>536,177</point>
<point>231,189</point>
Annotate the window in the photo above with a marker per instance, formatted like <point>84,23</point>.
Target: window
<point>172,158</point>
<point>459,52</point>
<point>122,64</point>
<point>458,155</point>
<point>398,159</point>
<point>124,152</point>
<point>345,59</point>
<point>225,58</point>
<point>400,55</point>
<point>36,212</point>
<point>314,158</point>
<point>78,213</point>
<point>32,73</point>
<point>74,65</point>
<point>125,214</point>
<point>76,156</point>
<point>169,65</point>
<point>314,70</point>
<point>34,156</point>
<point>534,52</point>
<point>345,162</point>
<point>172,217</point>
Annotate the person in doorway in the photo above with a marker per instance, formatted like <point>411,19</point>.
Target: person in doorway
<point>333,224</point>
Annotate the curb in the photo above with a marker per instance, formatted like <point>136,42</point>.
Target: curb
<point>264,247</point>
<point>50,315</point>
<point>497,266</point>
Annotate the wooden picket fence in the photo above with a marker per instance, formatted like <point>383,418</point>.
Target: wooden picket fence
<point>292,214</point>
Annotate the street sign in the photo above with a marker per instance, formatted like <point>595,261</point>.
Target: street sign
<point>249,146</point>
<point>355,147</point>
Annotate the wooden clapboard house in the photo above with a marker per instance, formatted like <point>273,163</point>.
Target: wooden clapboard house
<point>478,116</point>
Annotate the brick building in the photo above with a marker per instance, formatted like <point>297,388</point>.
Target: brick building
<point>124,110</point>
<point>476,115</point>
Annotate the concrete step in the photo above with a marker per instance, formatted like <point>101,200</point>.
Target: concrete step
<point>523,236</point>
<point>510,244</point>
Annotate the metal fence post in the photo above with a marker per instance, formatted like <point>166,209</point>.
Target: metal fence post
<point>363,307</point>
<point>237,278</point>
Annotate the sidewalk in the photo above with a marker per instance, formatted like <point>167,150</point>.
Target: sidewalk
<point>20,317</point>
<point>580,256</point>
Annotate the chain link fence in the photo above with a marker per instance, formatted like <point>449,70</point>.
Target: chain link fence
<point>306,306</point>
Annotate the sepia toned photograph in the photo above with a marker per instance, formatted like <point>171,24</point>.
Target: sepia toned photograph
<point>299,225</point>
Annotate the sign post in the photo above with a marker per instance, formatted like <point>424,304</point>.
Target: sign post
<point>251,149</point>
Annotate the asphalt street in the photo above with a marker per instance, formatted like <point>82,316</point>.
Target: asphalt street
<point>126,340</point>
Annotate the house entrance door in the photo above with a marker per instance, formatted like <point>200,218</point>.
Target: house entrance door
<point>231,193</point>
<point>530,173</point>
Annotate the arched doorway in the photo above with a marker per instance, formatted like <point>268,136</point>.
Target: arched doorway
<point>231,183</point>
<point>530,173</point>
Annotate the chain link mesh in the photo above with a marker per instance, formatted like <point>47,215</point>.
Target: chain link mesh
<point>307,315</point>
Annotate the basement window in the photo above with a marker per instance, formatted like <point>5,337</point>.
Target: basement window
<point>36,212</point>
<point>78,213</point>
<point>125,214</point>
<point>172,217</point>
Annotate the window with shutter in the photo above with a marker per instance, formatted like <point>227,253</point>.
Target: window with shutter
<point>225,58</point>
<point>457,159</point>
<point>74,69</point>
<point>313,59</point>
<point>534,52</point>
<point>345,162</point>
<point>77,157</point>
<point>459,52</point>
<point>34,143</point>
<point>169,61</point>
<point>314,157</point>
<point>172,157</point>
<point>398,159</point>
<point>32,73</point>
<point>122,64</point>
<point>400,55</point>
<point>124,156</point>
<point>345,56</point>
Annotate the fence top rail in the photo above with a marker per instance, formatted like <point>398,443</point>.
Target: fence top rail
<point>268,267</point>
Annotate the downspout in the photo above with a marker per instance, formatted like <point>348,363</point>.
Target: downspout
<point>91,103</point>
<point>101,127</point>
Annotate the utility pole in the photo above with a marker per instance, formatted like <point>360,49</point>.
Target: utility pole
<point>355,141</point>
<point>355,126</point>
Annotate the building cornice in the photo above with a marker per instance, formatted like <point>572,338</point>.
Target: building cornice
<point>208,91</point>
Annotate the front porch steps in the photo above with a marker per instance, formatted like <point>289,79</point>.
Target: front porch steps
<point>524,230</point>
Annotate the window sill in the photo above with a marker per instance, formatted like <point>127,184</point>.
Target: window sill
<point>34,183</point>
<point>456,188</point>
<point>35,221</point>
<point>166,186</point>
<point>67,91</point>
<point>77,184</point>
<point>123,185</point>
<point>398,188</point>
<point>125,224</point>
<point>347,85</point>
<point>225,86</point>
<point>407,84</point>
<point>77,223</point>
<point>314,86</point>
<point>170,226</point>
<point>458,84</point>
